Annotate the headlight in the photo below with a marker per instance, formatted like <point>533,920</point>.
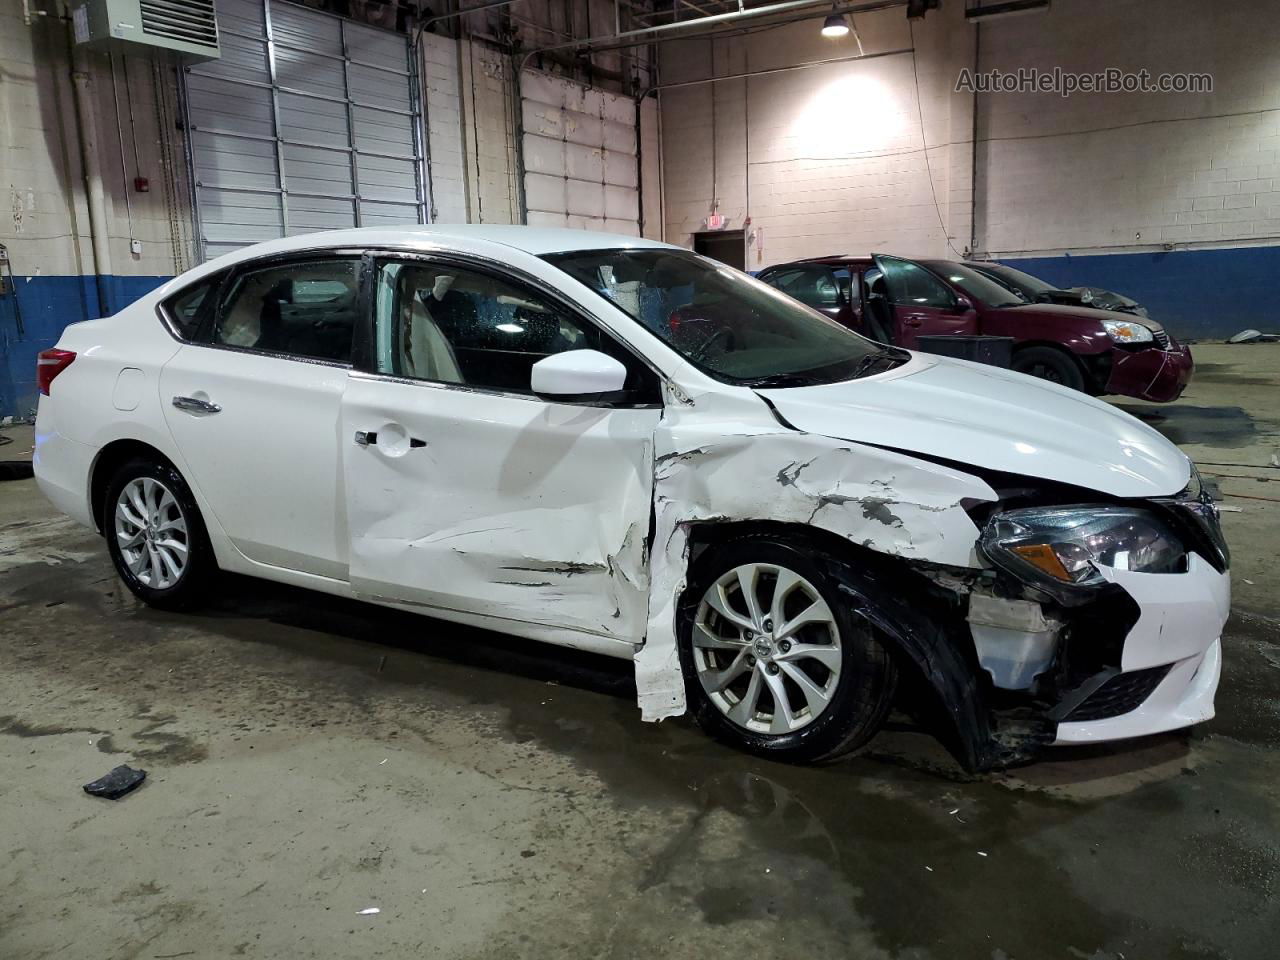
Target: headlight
<point>1195,502</point>
<point>1067,545</point>
<point>1122,331</point>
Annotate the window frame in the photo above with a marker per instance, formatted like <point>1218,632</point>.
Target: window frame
<point>164,309</point>
<point>227,281</point>
<point>364,351</point>
<point>946,287</point>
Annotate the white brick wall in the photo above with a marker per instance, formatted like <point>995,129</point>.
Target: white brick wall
<point>831,157</point>
<point>1127,171</point>
<point>492,122</point>
<point>444,129</point>
<point>45,221</point>
<point>827,159</point>
<point>471,135</point>
<point>650,169</point>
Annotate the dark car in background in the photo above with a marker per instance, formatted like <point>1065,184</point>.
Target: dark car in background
<point>897,301</point>
<point>1034,290</point>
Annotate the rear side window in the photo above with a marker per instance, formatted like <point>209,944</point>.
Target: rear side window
<point>184,309</point>
<point>825,288</point>
<point>305,310</point>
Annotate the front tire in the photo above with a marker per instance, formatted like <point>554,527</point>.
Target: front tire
<point>155,535</point>
<point>774,661</point>
<point>1049,363</point>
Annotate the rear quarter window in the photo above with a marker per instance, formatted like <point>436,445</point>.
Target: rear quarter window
<point>185,309</point>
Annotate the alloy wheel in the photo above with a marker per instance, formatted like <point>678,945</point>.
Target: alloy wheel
<point>766,648</point>
<point>151,531</point>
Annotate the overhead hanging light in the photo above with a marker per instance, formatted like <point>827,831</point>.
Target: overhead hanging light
<point>834,26</point>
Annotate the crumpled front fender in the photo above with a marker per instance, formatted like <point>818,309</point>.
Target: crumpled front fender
<point>710,471</point>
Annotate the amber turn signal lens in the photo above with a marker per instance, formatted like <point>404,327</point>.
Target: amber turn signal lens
<point>1043,557</point>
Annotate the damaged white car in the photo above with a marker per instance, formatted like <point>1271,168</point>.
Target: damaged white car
<point>616,445</point>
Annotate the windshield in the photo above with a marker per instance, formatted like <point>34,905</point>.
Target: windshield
<point>733,327</point>
<point>975,284</point>
<point>1023,283</point>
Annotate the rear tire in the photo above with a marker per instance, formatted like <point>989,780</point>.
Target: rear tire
<point>155,535</point>
<point>741,657</point>
<point>1050,363</point>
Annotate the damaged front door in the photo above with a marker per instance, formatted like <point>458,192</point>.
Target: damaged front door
<point>922,304</point>
<point>466,491</point>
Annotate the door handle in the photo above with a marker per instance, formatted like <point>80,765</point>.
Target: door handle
<point>196,405</point>
<point>365,438</point>
<point>913,321</point>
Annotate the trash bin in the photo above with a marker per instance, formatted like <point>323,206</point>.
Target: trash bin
<point>994,351</point>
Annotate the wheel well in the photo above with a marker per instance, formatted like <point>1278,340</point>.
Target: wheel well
<point>1089,366</point>
<point>922,622</point>
<point>710,534</point>
<point>1029,344</point>
<point>110,458</point>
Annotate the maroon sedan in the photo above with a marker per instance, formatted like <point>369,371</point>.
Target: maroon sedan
<point>893,300</point>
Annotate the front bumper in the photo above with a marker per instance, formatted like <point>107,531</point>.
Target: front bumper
<point>1178,630</point>
<point>1152,374</point>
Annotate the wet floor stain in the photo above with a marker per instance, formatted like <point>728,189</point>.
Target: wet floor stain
<point>1227,427</point>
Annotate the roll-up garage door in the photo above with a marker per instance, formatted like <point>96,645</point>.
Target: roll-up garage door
<point>307,122</point>
<point>579,147</point>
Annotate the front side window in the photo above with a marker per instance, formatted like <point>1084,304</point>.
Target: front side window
<point>306,310</point>
<point>911,285</point>
<point>734,327</point>
<point>448,324</point>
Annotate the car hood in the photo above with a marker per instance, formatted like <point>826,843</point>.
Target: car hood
<point>993,418</point>
<point>1106,299</point>
<point>1079,314</point>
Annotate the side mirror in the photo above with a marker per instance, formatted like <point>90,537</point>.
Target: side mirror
<point>577,375</point>
<point>963,304</point>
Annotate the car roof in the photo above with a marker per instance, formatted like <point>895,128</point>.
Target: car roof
<point>831,260</point>
<point>538,241</point>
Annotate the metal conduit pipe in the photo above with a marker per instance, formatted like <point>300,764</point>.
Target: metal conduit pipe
<point>648,34</point>
<point>768,70</point>
<point>90,160</point>
<point>462,12</point>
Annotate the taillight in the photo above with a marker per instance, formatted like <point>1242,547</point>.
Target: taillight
<point>50,363</point>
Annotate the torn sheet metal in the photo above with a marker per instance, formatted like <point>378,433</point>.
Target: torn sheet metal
<point>734,466</point>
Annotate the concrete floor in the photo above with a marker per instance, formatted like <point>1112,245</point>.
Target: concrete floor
<point>309,758</point>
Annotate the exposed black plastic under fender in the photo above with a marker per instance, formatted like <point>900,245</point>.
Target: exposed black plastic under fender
<point>926,625</point>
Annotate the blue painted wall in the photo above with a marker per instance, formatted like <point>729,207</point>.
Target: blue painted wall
<point>1197,294</point>
<point>48,304</point>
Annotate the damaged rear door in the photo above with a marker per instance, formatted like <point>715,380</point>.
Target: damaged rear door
<point>466,491</point>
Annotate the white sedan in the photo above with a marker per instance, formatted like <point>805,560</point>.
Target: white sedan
<point>616,445</point>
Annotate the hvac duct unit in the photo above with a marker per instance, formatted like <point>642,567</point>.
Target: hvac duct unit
<point>188,26</point>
